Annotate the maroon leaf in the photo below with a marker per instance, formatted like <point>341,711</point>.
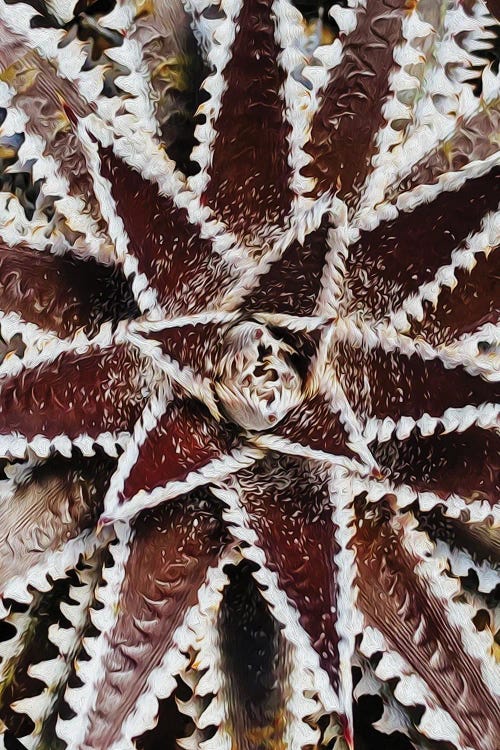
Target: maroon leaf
<point>185,439</point>
<point>397,601</point>
<point>315,424</point>
<point>342,140</point>
<point>250,171</point>
<point>171,551</point>
<point>465,464</point>
<point>60,292</point>
<point>293,282</point>
<point>193,345</point>
<point>93,392</point>
<point>389,263</point>
<point>287,503</point>
<point>402,385</point>
<point>463,309</point>
<point>168,248</point>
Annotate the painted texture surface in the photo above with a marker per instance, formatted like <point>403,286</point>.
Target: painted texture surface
<point>249,375</point>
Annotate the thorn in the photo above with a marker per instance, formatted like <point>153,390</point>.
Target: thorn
<point>377,474</point>
<point>102,523</point>
<point>73,117</point>
<point>68,111</point>
<point>347,732</point>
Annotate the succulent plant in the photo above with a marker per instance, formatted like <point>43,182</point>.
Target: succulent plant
<point>248,390</point>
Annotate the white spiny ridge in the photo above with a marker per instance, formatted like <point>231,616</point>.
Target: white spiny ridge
<point>452,420</point>
<point>191,634</point>
<point>394,716</point>
<point>300,731</point>
<point>405,86</point>
<point>70,61</point>
<point>289,35</point>
<point>328,56</point>
<point>72,731</point>
<point>137,146</point>
<point>53,673</point>
<point>44,347</point>
<point>218,38</point>
<point>433,571</point>
<point>16,446</point>
<point>487,334</point>
<point>63,10</point>
<point>53,566</point>
<point>202,675</point>
<point>65,638</point>
<point>28,563</point>
<point>288,448</point>
<point>150,160</point>
<point>431,123</point>
<point>290,322</point>
<point>301,106</point>
<point>332,281</point>
<point>252,270</point>
<point>411,690</point>
<point>304,216</point>
<point>461,563</point>
<point>142,153</point>
<point>349,619</point>
<point>454,506</point>
<point>430,573</point>
<point>12,326</point>
<point>483,242</point>
<point>70,58</point>
<point>147,327</point>
<point>358,332</point>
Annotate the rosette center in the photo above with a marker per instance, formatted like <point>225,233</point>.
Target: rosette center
<point>257,382</point>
